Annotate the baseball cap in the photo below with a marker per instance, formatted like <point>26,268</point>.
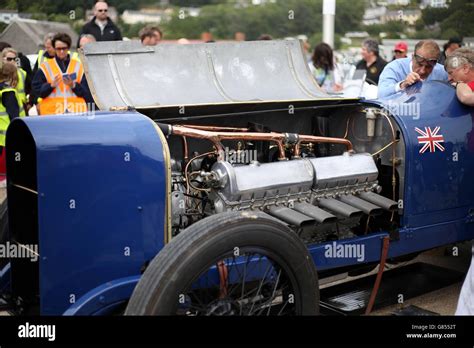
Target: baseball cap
<point>456,40</point>
<point>401,46</point>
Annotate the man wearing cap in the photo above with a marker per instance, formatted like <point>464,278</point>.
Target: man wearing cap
<point>422,66</point>
<point>400,50</point>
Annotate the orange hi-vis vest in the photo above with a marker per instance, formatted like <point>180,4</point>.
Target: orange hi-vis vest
<point>62,99</point>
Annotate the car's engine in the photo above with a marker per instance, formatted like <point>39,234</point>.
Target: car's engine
<point>322,198</point>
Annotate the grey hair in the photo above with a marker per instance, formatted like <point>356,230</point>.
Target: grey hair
<point>460,57</point>
<point>372,46</point>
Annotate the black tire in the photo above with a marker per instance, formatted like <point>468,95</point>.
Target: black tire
<point>191,254</point>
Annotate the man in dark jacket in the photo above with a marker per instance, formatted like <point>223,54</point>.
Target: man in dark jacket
<point>371,61</point>
<point>101,26</point>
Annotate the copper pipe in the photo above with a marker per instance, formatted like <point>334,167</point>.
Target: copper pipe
<point>296,151</point>
<point>394,153</point>
<point>217,137</point>
<point>281,150</point>
<point>185,150</point>
<point>278,138</point>
<point>186,177</point>
<point>200,134</point>
<point>215,128</point>
<point>346,133</point>
<point>317,139</point>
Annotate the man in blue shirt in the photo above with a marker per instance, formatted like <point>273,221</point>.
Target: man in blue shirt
<point>422,66</point>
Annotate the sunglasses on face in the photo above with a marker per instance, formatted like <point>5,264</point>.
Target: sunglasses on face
<point>102,10</point>
<point>398,51</point>
<point>422,61</point>
<point>10,59</point>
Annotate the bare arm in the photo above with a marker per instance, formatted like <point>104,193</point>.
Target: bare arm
<point>465,94</point>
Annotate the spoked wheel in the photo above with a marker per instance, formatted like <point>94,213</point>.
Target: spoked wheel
<point>238,292</point>
<point>230,264</point>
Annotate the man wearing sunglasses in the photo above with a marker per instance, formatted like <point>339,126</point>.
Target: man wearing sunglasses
<point>400,74</point>
<point>101,26</point>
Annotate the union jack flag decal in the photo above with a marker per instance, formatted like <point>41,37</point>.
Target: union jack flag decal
<point>430,139</point>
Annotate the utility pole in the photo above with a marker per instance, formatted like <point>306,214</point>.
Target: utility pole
<point>329,13</point>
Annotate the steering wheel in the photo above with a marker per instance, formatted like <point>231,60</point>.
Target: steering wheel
<point>371,82</point>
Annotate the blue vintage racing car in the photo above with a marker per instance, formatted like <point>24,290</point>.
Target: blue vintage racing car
<point>218,179</point>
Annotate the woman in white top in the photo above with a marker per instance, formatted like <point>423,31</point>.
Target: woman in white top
<point>325,70</point>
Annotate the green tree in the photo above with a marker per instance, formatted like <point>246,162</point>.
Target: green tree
<point>221,17</point>
<point>432,15</point>
<point>456,20</point>
<point>279,19</point>
<point>392,29</point>
<point>459,23</point>
<point>9,4</point>
<point>349,16</point>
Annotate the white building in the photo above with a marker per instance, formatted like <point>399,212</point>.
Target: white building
<point>435,3</point>
<point>394,2</point>
<point>156,15</point>
<point>356,35</point>
<point>407,16</point>
<point>133,17</point>
<point>191,11</point>
<point>469,42</point>
<point>6,16</point>
<point>261,2</point>
<point>374,15</point>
